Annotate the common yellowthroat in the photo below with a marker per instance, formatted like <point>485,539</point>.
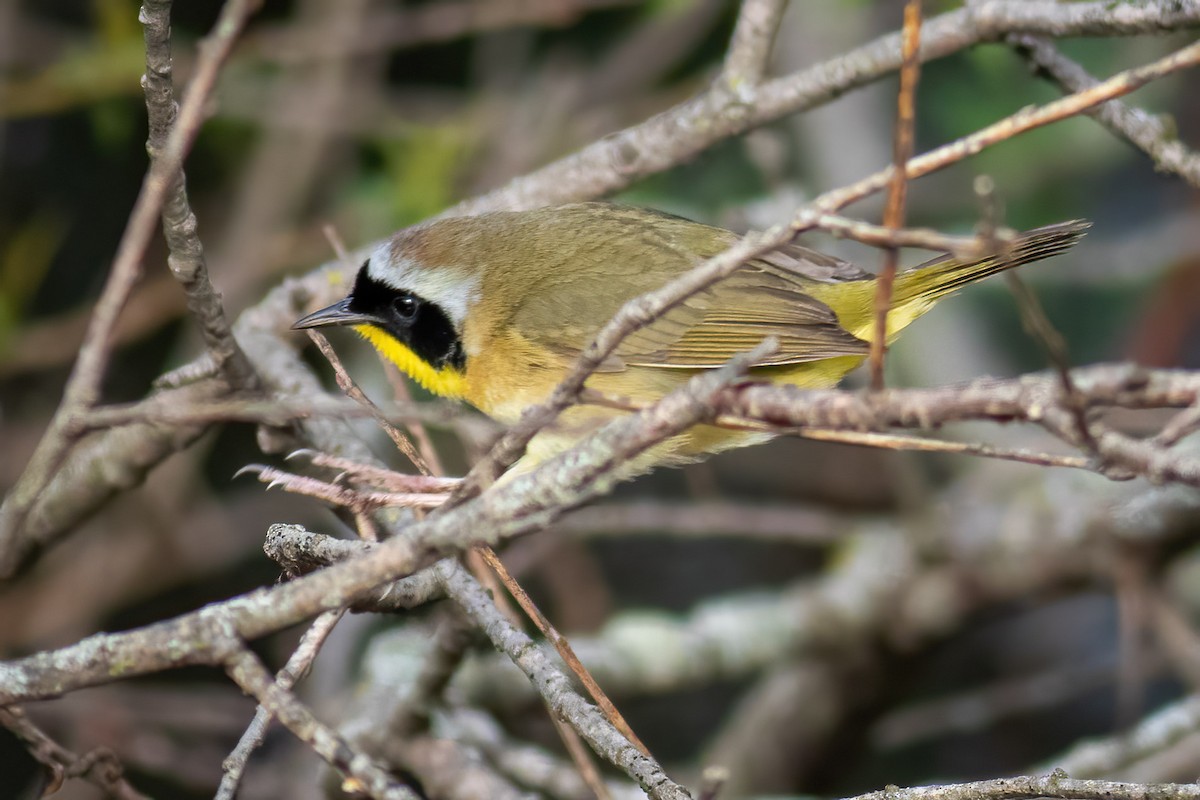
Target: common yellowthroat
<point>494,309</point>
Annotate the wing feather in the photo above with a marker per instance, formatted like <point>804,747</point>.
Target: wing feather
<point>760,300</point>
<point>641,251</point>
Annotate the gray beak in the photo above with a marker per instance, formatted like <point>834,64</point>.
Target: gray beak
<point>337,314</point>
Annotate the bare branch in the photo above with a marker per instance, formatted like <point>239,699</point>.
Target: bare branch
<point>554,687</point>
<point>1150,134</point>
<point>350,388</point>
<point>178,407</point>
<point>360,501</point>
<point>897,197</point>
<point>1056,784</point>
<point>249,673</point>
<point>297,666</point>
<point>529,765</point>
<point>299,552</point>
<point>963,247</point>
<point>186,259</point>
<point>560,643</point>
<point>750,49</point>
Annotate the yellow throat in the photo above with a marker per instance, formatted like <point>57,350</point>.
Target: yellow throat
<point>446,382</point>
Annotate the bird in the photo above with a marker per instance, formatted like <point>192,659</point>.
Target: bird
<point>495,309</point>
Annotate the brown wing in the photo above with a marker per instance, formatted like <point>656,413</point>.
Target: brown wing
<point>762,299</point>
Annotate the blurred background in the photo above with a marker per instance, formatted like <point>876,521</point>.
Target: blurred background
<point>368,116</point>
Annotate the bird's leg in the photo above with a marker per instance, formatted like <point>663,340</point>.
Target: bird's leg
<point>381,477</point>
<point>396,494</point>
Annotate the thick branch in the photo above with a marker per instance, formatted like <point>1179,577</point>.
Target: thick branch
<point>1053,785</point>
<point>1028,398</point>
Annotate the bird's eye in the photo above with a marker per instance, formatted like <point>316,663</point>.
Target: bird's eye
<point>405,306</point>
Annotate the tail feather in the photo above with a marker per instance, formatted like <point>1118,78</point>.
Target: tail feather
<point>935,279</point>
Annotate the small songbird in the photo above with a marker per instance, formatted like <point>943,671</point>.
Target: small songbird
<point>495,309</point>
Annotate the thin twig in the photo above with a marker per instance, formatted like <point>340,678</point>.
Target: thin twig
<point>1038,325</point>
<point>350,388</point>
<point>1028,398</point>
<point>962,247</point>
<point>379,477</point>
<point>1023,121</point>
<point>1184,424</point>
<point>1034,319</point>
<point>403,396</point>
<point>360,501</point>
<point>249,673</point>
<point>564,649</point>
<point>554,687</point>
<point>902,150</point>
<point>297,666</point>
<point>580,758</point>
<point>925,445</point>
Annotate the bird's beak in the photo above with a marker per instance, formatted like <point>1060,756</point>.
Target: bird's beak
<point>337,314</point>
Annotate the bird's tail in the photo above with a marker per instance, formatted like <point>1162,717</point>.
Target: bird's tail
<point>935,279</point>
